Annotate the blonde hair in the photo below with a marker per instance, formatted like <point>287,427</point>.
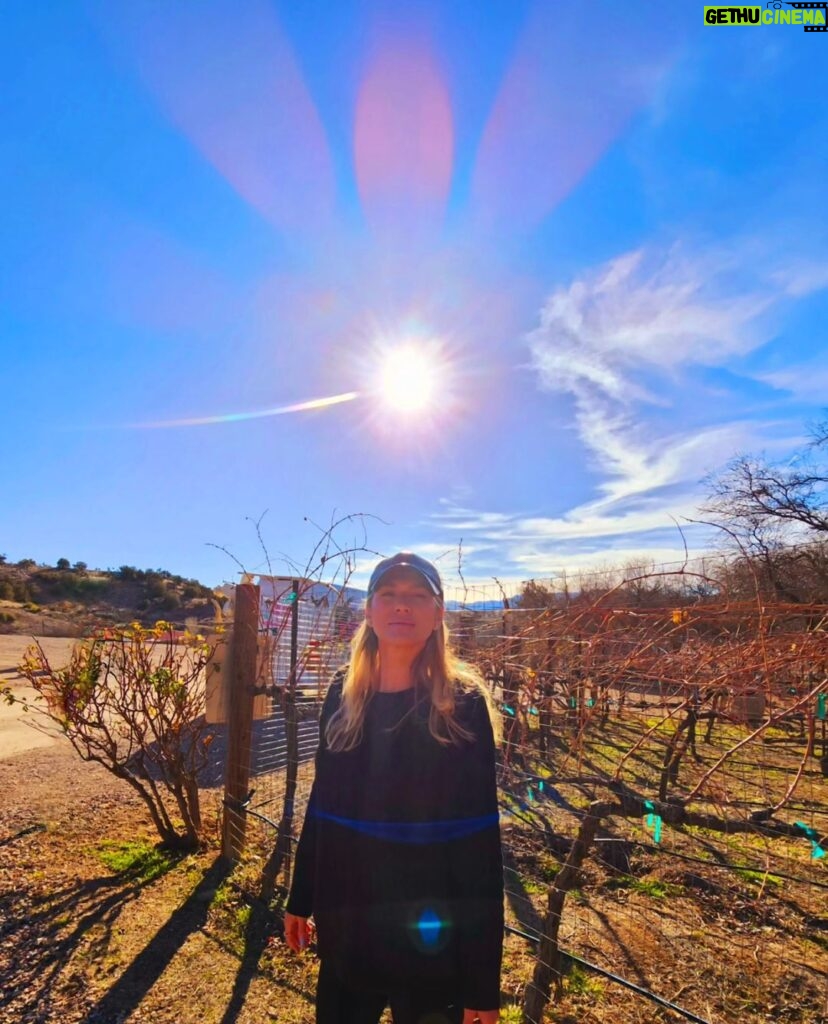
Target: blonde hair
<point>437,668</point>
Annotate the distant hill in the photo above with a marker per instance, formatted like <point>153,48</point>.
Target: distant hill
<point>71,599</point>
<point>476,606</point>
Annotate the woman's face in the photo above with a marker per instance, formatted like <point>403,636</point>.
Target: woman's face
<point>403,611</point>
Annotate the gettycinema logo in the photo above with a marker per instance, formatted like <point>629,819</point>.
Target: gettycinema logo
<point>813,17</point>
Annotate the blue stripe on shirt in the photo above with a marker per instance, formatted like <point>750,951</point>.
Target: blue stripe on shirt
<point>417,832</point>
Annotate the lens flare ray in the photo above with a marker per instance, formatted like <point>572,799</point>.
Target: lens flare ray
<point>566,98</point>
<point>238,417</point>
<point>403,138</point>
<point>226,75</point>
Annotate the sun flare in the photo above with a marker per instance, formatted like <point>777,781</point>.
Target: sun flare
<point>408,378</point>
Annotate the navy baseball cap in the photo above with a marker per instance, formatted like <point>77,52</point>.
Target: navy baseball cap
<point>408,560</point>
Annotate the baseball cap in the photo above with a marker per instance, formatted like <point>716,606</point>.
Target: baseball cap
<point>408,560</point>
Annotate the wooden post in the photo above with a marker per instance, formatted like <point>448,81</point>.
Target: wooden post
<point>240,719</point>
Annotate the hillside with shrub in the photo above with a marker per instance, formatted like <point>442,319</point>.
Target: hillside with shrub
<point>69,598</point>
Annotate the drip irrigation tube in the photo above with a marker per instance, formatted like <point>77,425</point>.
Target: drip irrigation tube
<point>535,940</point>
<point>713,864</point>
<point>243,807</point>
<point>659,1000</point>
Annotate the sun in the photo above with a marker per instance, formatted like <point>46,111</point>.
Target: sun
<point>414,380</point>
<point>408,378</point>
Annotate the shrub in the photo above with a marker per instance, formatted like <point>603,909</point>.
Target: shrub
<point>6,617</point>
<point>68,585</point>
<point>131,700</point>
<point>62,564</point>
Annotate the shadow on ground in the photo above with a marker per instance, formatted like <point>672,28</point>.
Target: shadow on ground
<point>132,986</point>
<point>41,932</point>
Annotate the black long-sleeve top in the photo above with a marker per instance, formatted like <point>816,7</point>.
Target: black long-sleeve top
<point>399,858</point>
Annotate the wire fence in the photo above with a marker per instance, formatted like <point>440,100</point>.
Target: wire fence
<point>663,784</point>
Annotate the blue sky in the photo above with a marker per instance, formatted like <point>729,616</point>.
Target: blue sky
<point>603,226</point>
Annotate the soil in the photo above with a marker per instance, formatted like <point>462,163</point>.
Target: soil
<point>82,942</point>
<point>189,942</point>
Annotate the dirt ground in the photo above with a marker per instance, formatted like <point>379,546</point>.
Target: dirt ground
<point>81,942</point>
<point>87,940</point>
<point>17,731</point>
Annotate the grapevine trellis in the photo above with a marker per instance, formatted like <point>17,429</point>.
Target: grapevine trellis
<point>650,755</point>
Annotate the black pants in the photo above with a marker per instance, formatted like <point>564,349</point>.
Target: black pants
<point>338,1004</point>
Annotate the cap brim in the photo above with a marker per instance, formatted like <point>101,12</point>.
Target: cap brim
<point>406,565</point>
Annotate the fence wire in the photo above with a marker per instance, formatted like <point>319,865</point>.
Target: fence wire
<point>697,729</point>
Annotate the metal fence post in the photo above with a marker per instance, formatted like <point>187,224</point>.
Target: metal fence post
<point>282,855</point>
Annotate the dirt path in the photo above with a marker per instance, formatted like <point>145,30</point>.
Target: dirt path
<point>18,731</point>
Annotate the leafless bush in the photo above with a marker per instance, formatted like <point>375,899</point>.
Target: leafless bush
<point>132,700</point>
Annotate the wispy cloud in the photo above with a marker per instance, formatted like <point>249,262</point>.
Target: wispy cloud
<point>519,547</point>
<point>662,309</point>
<point>807,381</point>
<point>802,278</point>
<point>626,342</point>
<point>619,339</point>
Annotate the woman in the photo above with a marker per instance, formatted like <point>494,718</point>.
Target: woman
<point>399,859</point>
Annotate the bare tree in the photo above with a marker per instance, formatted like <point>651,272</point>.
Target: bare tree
<point>753,493</point>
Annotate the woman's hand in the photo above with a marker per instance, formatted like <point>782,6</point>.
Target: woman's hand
<point>484,1016</point>
<point>298,932</point>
